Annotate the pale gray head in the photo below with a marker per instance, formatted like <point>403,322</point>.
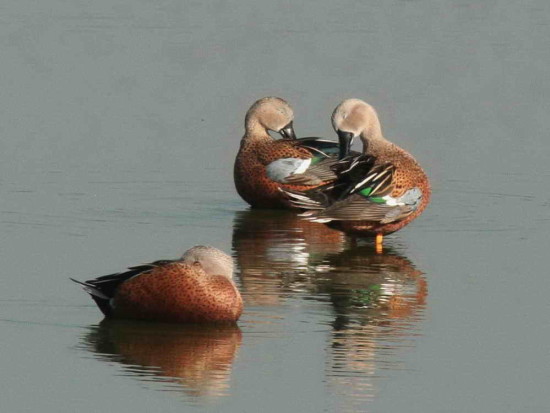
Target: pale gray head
<point>271,113</point>
<point>212,260</point>
<point>352,118</point>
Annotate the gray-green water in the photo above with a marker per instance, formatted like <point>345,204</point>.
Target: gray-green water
<point>119,123</point>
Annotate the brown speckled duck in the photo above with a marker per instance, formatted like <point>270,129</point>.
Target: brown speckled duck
<point>197,288</point>
<point>376,193</point>
<point>263,164</point>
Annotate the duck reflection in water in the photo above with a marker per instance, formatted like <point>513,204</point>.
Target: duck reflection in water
<point>278,253</point>
<point>273,250</point>
<point>195,359</point>
<point>379,301</point>
<point>376,301</point>
<point>360,280</point>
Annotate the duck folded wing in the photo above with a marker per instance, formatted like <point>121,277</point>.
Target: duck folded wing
<point>314,199</point>
<point>108,284</point>
<point>314,170</point>
<point>301,171</point>
<point>103,288</point>
<point>362,192</point>
<point>358,208</point>
<point>354,175</point>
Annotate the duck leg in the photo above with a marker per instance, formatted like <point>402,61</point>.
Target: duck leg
<point>378,243</point>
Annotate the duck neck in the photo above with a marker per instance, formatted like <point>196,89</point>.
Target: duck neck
<point>373,140</point>
<point>255,132</point>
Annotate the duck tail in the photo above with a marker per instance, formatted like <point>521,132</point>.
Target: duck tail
<point>102,300</point>
<point>90,289</point>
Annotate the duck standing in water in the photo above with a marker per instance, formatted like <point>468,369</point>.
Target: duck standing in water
<point>263,164</point>
<point>197,288</point>
<point>376,193</point>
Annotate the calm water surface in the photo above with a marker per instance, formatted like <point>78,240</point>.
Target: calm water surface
<point>119,123</point>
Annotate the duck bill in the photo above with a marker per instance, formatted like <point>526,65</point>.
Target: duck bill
<point>345,139</point>
<point>287,132</point>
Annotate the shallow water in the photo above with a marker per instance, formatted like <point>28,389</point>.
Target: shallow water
<point>119,124</point>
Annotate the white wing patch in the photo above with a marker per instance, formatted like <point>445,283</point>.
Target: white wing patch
<point>411,197</point>
<point>303,166</point>
<point>280,169</point>
<point>390,201</point>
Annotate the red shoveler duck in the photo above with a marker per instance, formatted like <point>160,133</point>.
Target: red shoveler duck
<point>376,193</point>
<point>197,288</point>
<point>263,164</point>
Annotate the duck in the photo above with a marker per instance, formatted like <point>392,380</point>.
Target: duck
<point>196,288</point>
<point>377,192</point>
<point>265,165</point>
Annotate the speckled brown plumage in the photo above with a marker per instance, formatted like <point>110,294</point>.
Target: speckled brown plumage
<point>258,150</point>
<point>178,292</point>
<point>196,288</point>
<point>251,179</point>
<point>408,174</point>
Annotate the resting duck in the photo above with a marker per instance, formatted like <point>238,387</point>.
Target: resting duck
<point>263,164</point>
<point>377,192</point>
<point>196,288</point>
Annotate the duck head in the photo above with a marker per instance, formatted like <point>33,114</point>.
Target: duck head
<point>272,114</point>
<point>352,118</point>
<point>212,260</point>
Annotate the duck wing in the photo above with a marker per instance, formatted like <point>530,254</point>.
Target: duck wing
<point>360,192</point>
<point>103,288</point>
<point>313,171</point>
<point>353,173</point>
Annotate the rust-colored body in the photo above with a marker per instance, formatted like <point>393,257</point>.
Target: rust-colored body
<point>251,180</point>
<point>178,292</point>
